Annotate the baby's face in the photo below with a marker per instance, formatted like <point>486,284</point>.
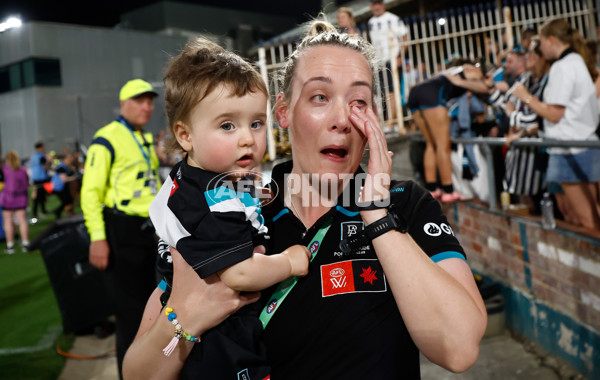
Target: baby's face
<point>227,132</point>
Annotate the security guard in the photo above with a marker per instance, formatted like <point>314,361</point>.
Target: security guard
<point>119,182</point>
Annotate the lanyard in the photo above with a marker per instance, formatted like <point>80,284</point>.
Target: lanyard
<point>285,286</point>
<point>123,121</point>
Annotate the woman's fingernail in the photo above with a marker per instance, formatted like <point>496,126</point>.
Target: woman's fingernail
<point>354,116</point>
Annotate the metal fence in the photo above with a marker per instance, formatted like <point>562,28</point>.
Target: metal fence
<point>480,31</point>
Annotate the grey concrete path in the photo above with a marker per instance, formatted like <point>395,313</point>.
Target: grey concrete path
<point>501,358</point>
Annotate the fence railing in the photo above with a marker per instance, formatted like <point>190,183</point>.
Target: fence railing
<point>485,143</point>
<point>479,31</point>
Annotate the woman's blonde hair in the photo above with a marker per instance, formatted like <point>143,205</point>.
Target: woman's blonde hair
<point>562,30</point>
<point>323,33</point>
<point>13,160</point>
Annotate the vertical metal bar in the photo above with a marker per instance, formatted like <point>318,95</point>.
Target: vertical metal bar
<point>575,7</point>
<point>446,37</point>
<point>425,45</point>
<point>470,31</point>
<point>591,16</point>
<point>433,48</point>
<point>509,29</point>
<point>498,22</point>
<point>478,35</point>
<point>492,36</point>
<point>438,28</point>
<point>544,14</point>
<point>568,14</point>
<point>393,41</point>
<point>456,47</point>
<point>536,15</point>
<point>262,64</point>
<point>465,52</point>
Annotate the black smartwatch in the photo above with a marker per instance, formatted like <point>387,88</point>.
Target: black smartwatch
<point>391,221</point>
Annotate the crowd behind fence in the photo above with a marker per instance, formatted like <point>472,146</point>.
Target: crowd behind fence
<point>479,32</point>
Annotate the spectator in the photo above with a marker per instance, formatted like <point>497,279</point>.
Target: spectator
<point>380,25</point>
<point>514,69</point>
<point>428,101</point>
<point>527,34</point>
<point>39,163</point>
<point>570,111</point>
<point>14,199</point>
<point>346,22</point>
<point>526,166</point>
<point>61,184</point>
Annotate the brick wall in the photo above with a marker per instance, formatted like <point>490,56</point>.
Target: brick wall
<point>554,270</point>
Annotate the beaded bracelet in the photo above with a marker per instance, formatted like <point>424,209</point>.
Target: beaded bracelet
<point>179,333</point>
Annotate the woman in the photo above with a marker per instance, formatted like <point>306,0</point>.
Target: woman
<point>14,199</point>
<point>570,112</point>
<point>346,23</point>
<point>427,102</point>
<point>525,166</point>
<point>359,313</point>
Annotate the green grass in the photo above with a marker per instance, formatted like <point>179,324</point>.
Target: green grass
<point>29,314</point>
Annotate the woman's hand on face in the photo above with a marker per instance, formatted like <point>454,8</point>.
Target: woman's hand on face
<point>379,171</point>
<point>201,304</point>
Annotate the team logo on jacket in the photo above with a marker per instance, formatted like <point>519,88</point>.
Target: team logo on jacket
<point>435,230</point>
<point>349,229</point>
<point>174,187</point>
<point>352,276</point>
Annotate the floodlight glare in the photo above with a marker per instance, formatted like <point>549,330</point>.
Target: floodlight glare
<point>10,23</point>
<point>441,21</point>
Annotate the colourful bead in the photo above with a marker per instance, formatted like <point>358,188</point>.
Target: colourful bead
<point>172,316</point>
<point>194,339</point>
<point>168,310</point>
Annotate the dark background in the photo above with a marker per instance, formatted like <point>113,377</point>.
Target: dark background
<point>106,12</point>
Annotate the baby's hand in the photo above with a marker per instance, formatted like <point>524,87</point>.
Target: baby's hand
<point>299,258</point>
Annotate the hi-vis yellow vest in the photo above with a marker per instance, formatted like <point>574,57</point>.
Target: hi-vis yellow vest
<point>121,171</point>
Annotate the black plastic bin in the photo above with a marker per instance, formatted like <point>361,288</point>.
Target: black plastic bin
<point>79,288</point>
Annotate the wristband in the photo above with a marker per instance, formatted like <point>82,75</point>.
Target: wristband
<point>179,333</point>
<point>391,221</point>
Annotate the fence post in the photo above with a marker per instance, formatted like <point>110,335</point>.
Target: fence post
<point>396,81</point>
<point>262,64</point>
<point>509,30</point>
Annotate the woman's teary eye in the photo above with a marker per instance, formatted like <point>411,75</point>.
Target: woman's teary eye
<point>358,103</point>
<point>257,124</point>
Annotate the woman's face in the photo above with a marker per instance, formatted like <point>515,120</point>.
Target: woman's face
<point>547,47</point>
<point>343,20</point>
<point>329,80</point>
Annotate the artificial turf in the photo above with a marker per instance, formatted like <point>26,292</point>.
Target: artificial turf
<point>30,321</point>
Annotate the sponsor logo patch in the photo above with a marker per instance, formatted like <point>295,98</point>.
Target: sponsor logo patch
<point>349,229</point>
<point>352,276</point>
<point>432,229</point>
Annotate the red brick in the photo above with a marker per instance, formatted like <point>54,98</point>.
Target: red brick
<point>477,248</point>
<point>538,261</point>
<point>569,290</point>
<point>515,239</point>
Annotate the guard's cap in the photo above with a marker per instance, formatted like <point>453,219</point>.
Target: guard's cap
<point>134,88</point>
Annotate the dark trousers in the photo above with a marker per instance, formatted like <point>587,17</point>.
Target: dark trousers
<point>40,197</point>
<point>131,273</point>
